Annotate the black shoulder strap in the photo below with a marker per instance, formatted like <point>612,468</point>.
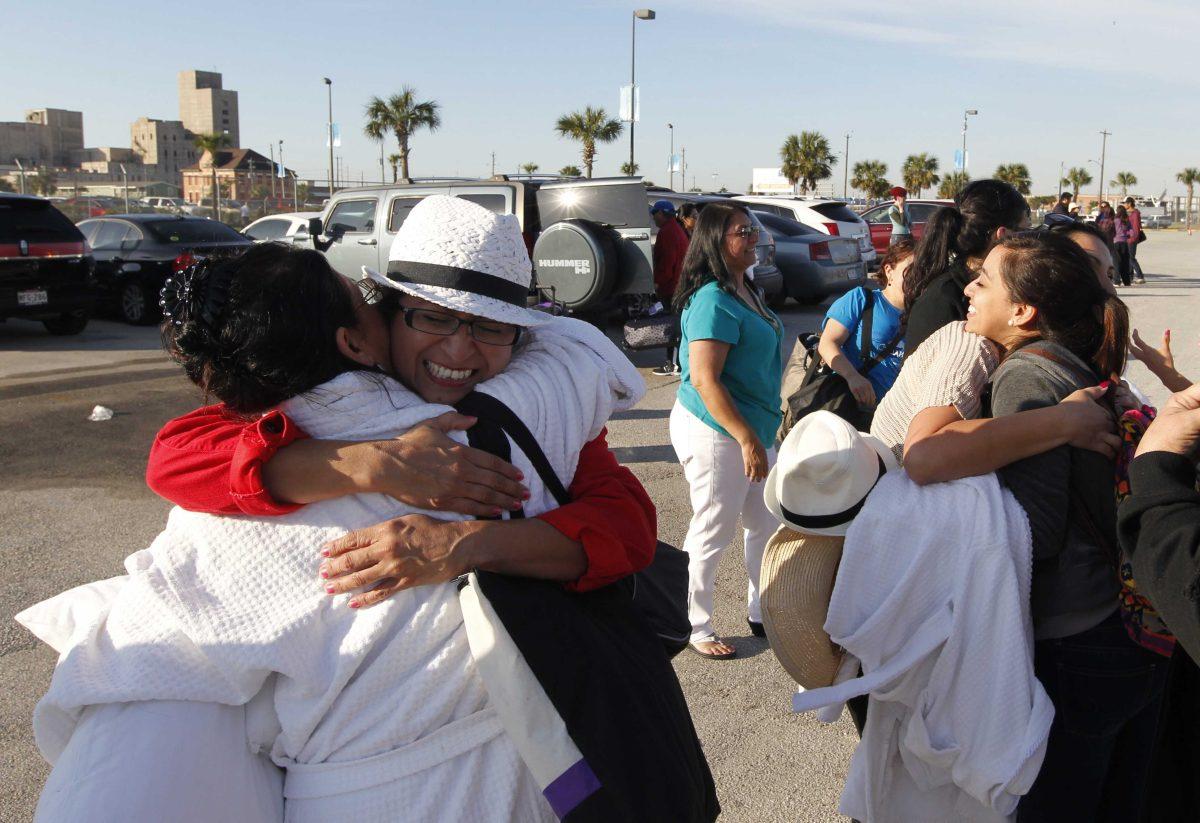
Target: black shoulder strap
<point>488,408</point>
<point>871,358</point>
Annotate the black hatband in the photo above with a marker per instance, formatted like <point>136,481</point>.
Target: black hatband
<point>452,277</point>
<point>829,521</point>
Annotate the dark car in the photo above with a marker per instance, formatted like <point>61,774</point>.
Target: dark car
<point>45,269</point>
<point>766,274</point>
<point>815,265</point>
<point>136,253</point>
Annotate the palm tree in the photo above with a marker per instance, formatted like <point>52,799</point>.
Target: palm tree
<point>402,115</point>
<point>952,184</point>
<point>1076,178</point>
<point>807,159</point>
<point>1016,175</point>
<point>920,172</point>
<point>210,144</point>
<point>529,168</point>
<point>589,127</point>
<point>570,171</point>
<point>45,182</point>
<point>1189,177</point>
<point>1124,179</point>
<point>870,177</point>
<point>394,160</point>
<point>630,169</point>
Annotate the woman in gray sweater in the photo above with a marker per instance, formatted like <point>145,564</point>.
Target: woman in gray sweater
<point>1060,331</point>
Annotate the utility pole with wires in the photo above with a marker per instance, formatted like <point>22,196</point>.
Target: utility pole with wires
<point>493,164</point>
<point>1103,147</point>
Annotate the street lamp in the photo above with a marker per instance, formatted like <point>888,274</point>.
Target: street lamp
<point>846,169</point>
<point>671,157</point>
<point>971,112</point>
<point>20,168</point>
<point>125,180</point>
<point>638,14</point>
<point>329,84</point>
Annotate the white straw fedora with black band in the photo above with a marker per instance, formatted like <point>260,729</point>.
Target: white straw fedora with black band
<point>823,473</point>
<point>462,257</point>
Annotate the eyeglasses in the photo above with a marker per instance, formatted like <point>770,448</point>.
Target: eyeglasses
<point>485,331</point>
<point>745,232</point>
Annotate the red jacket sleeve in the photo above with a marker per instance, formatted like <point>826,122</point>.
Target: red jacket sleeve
<point>211,461</point>
<point>611,514</point>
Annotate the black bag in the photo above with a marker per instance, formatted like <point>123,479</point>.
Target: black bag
<point>660,591</point>
<point>1141,238</point>
<point>659,331</point>
<point>825,389</point>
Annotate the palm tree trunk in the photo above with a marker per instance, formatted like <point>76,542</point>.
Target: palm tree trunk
<point>589,156</point>
<point>404,157</point>
<point>1189,209</point>
<point>216,211</point>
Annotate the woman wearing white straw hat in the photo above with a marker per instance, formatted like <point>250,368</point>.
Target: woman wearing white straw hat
<point>367,710</point>
<point>727,410</point>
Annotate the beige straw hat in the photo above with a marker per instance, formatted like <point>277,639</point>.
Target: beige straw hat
<point>798,571</point>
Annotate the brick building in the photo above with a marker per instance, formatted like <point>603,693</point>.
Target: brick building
<point>242,174</point>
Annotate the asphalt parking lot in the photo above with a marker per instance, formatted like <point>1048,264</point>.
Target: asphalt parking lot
<point>75,505</point>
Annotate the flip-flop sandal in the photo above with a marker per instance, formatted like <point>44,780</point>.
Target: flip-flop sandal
<point>709,655</point>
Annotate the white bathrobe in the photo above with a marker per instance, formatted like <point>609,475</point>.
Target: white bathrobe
<point>376,714</point>
<point>932,596</point>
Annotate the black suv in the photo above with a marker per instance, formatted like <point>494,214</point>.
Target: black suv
<point>136,253</point>
<point>45,268</point>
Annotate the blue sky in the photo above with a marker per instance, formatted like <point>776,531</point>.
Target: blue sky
<point>734,77</point>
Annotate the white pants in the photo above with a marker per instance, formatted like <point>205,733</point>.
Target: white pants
<point>719,491</point>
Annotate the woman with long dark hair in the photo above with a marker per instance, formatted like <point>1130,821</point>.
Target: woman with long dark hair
<point>727,410</point>
<point>1059,329</point>
<point>1122,237</point>
<point>956,240</point>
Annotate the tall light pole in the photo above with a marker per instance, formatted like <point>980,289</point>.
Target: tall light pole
<point>639,14</point>
<point>282,174</point>
<point>971,112</point>
<point>671,157</point>
<point>846,169</point>
<point>125,182</point>
<point>329,85</point>
<point>21,168</point>
<point>1103,147</point>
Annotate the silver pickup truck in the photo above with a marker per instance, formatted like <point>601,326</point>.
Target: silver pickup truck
<point>590,240</point>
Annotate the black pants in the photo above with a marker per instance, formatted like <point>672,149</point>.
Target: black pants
<point>1122,261</point>
<point>1173,793</point>
<point>1134,265</point>
<point>1107,693</point>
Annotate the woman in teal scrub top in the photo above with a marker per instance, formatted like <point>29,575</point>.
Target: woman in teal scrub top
<point>727,411</point>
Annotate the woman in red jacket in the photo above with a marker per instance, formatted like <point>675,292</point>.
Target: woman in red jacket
<point>220,461</point>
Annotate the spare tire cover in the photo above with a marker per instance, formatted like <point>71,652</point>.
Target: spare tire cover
<point>578,259</point>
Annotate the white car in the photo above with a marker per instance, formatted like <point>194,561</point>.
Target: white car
<point>284,228</point>
<point>167,203</point>
<point>827,216</point>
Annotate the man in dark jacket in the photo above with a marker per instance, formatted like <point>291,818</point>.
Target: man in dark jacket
<point>1160,521</point>
<point>1063,206</point>
<point>669,248</point>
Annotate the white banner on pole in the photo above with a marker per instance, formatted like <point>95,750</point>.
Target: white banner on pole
<point>631,99</point>
<point>337,137</point>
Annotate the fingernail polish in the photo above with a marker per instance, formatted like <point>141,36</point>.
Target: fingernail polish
<point>324,552</point>
<point>354,604</point>
<point>330,590</point>
<point>515,506</point>
<point>324,572</point>
<point>497,512</point>
<point>525,495</point>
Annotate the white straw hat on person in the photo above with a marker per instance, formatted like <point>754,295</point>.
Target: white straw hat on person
<point>461,256</point>
<point>823,474</point>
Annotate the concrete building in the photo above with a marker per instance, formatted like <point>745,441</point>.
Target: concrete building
<point>205,107</point>
<point>164,144</point>
<point>242,174</point>
<point>107,160</point>
<point>47,137</point>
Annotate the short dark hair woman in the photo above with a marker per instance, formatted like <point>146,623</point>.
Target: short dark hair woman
<point>727,409</point>
<point>956,240</point>
<point>1060,330</point>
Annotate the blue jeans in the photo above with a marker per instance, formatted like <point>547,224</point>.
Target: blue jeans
<point>1107,692</point>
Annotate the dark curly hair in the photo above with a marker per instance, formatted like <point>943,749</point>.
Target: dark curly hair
<point>272,337</point>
